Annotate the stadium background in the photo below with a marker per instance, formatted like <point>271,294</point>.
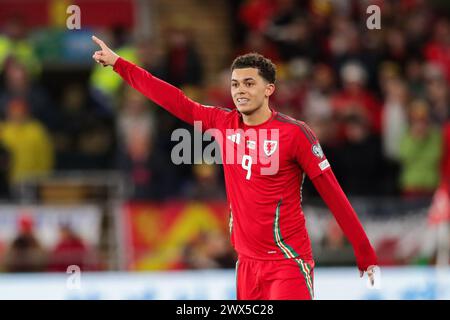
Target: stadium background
<point>85,172</point>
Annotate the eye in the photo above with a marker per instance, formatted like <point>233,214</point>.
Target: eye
<point>234,85</point>
<point>249,84</point>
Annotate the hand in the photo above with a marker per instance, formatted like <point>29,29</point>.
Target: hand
<point>370,272</point>
<point>105,56</point>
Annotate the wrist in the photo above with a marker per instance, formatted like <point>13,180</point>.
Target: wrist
<point>114,60</point>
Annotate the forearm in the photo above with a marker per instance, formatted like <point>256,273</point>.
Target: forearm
<point>334,197</point>
<point>162,93</point>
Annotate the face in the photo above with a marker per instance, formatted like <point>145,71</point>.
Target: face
<point>249,90</point>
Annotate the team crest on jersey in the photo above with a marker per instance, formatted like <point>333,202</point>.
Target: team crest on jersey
<point>317,150</point>
<point>270,146</point>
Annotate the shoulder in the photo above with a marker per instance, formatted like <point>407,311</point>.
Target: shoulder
<point>219,109</point>
<point>295,127</point>
<point>222,113</point>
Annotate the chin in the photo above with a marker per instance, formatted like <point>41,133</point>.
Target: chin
<point>247,110</point>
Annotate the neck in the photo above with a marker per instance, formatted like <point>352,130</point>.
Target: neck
<point>259,116</point>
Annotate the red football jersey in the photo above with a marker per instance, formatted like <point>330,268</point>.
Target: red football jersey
<point>263,177</point>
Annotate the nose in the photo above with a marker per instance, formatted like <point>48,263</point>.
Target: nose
<point>240,90</point>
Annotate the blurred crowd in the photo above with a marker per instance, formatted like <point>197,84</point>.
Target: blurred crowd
<point>378,100</point>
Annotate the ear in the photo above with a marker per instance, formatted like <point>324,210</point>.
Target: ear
<point>270,88</point>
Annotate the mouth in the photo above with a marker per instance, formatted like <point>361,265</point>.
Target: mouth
<point>242,101</point>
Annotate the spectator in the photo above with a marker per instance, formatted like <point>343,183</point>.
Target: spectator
<point>438,96</point>
<point>218,93</point>
<point>256,14</point>
<point>5,167</point>
<point>356,98</point>
<point>420,153</point>
<point>70,250</point>
<point>394,117</point>
<point>206,185</point>
<point>209,250</point>
<point>182,65</point>
<point>438,49</point>
<point>25,253</point>
<point>14,43</point>
<point>445,162</point>
<point>18,84</point>
<point>28,142</point>
<point>360,177</point>
<point>138,154</point>
<point>85,136</point>
<point>258,42</point>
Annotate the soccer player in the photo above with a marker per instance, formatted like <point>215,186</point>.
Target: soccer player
<point>267,224</point>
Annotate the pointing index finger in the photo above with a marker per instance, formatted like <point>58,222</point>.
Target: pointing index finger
<point>99,42</point>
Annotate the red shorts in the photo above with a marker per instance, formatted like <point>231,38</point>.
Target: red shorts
<point>289,279</point>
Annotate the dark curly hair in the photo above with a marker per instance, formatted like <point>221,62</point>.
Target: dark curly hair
<point>266,68</point>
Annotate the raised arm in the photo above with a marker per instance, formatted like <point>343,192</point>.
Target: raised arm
<point>162,93</point>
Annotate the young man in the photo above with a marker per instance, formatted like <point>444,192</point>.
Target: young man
<point>267,224</point>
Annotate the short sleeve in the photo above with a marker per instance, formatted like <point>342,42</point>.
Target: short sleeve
<point>309,154</point>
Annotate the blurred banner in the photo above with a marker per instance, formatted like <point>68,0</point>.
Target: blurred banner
<point>160,236</point>
<point>46,221</point>
<point>38,13</point>
<point>156,234</point>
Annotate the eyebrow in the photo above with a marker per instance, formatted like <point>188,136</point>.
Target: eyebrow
<point>246,79</point>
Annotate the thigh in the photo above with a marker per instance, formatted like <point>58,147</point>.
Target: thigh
<point>248,286</point>
<point>293,281</point>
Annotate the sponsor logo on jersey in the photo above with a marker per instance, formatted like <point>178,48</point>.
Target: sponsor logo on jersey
<point>236,138</point>
<point>324,164</point>
<point>317,151</point>
<point>270,146</point>
<point>251,144</point>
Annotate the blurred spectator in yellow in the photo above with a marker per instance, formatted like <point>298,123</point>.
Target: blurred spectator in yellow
<point>14,43</point>
<point>70,250</point>
<point>420,153</point>
<point>27,141</point>
<point>25,253</point>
